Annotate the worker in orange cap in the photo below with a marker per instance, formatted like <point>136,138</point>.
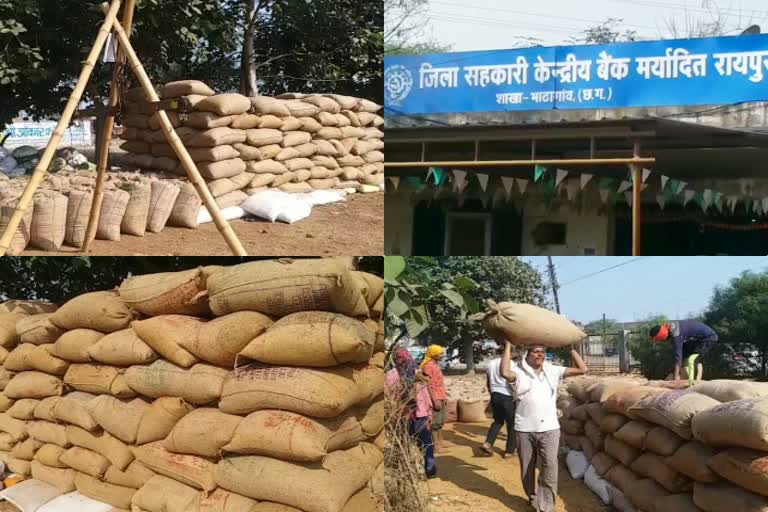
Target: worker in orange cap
<point>691,340</point>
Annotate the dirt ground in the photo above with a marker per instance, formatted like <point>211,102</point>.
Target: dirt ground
<point>468,481</point>
<point>353,227</point>
<point>7,507</point>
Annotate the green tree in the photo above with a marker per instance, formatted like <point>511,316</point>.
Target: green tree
<point>405,23</point>
<point>605,33</point>
<point>596,327</point>
<point>656,359</point>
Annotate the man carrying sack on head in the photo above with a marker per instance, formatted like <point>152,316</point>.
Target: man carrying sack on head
<point>691,340</point>
<point>535,383</point>
<point>430,368</point>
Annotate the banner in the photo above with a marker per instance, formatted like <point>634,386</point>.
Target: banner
<point>701,71</point>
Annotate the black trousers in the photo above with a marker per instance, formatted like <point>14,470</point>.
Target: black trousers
<point>503,407</point>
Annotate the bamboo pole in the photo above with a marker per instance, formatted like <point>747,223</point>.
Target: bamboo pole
<point>42,167</point>
<point>173,139</point>
<point>106,134</point>
<point>521,163</point>
<point>637,203</point>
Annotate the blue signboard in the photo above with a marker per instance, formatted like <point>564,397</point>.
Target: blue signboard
<point>719,70</point>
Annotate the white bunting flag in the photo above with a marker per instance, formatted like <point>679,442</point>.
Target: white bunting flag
<point>646,173</point>
<point>745,187</point>
<point>508,183</point>
<point>719,201</point>
<point>522,184</point>
<point>707,199</point>
<point>395,181</point>
<point>664,180</point>
<point>732,201</point>
<point>483,179</point>
<point>625,185</point>
<point>561,174</point>
<point>681,187</point>
<point>571,189</point>
<point>757,207</point>
<point>689,194</point>
<point>661,200</point>
<point>585,179</point>
<point>429,173</point>
<point>604,194</point>
<point>628,194</point>
<point>765,205</point>
<point>460,180</point>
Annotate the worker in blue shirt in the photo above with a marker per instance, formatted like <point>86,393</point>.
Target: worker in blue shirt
<point>691,340</point>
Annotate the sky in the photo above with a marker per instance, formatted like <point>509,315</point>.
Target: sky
<point>496,24</point>
<point>678,287</point>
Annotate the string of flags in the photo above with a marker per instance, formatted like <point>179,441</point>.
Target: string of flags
<point>609,188</point>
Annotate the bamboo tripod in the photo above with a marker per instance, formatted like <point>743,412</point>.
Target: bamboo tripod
<point>127,51</point>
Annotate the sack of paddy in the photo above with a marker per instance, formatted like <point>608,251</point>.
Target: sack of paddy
<point>738,423</point>
<point>621,400</point>
<point>25,450</point>
<point>201,384</point>
<point>634,433</point>
<point>158,421</point>
<point>524,323</point>
<point>645,493</point>
<point>181,293</point>
<point>321,393</point>
<point>98,379</point>
<point>115,495</point>
<point>136,212</point>
<point>282,287</point>
<point>186,207</point>
<point>163,334</point>
<point>202,432</point>
<point>691,460</point>
<point>595,412</point>
<point>732,390</point>
<point>372,286</point>
<point>602,462</point>
<point>62,479</point>
<point>612,422</point>
<point>603,390</point>
<point>38,329</point>
<point>621,477</point>
<point>31,384</point>
<point>44,409</point>
<point>163,494</point>
<point>220,340</point>
<point>134,476</point>
<point>6,442</point>
<point>73,408</point>
<point>663,442</point>
<point>21,237</point>
<point>718,497</point>
<point>621,451</point>
<point>224,104</point>
<point>9,337</point>
<point>369,379</point>
<point>113,209</point>
<point>119,418</point>
<point>592,431</point>
<point>184,88</point>
<point>161,203</point>
<point>311,487</point>
<point>85,461</point>
<point>104,443</point>
<point>311,338</point>
<point>744,467</point>
<point>73,345</point>
<point>18,466</point>
<point>41,358</point>
<point>188,469</point>
<point>16,361</point>
<point>471,410</point>
<point>49,221</point>
<point>100,311</point>
<point>15,428</point>
<point>47,432</point>
<point>225,501</point>
<point>652,466</point>
<point>121,348</point>
<point>677,502</point>
<point>27,307</point>
<point>673,410</point>
<point>78,213</point>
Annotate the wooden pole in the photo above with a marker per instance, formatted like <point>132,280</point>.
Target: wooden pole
<point>41,170</point>
<point>173,139</point>
<point>106,134</point>
<point>522,163</point>
<point>637,204</point>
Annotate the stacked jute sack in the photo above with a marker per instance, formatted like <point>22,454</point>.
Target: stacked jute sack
<point>651,448</point>
<point>251,388</point>
<point>133,203</point>
<point>295,142</point>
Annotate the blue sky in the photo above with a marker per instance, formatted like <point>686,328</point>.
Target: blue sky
<point>674,286</point>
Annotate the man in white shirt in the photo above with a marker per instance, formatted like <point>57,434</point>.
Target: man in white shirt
<point>538,430</point>
<point>502,405</point>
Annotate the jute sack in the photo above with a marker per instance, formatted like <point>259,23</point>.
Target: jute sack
<point>579,388</point>
<point>471,411</point>
<point>202,432</point>
<point>5,377</point>
<point>235,198</point>
<point>62,479</point>
<point>569,426</point>
<point>602,391</point>
<point>26,449</point>
<point>208,120</point>
<point>691,460</point>
<point>115,495</point>
<point>40,358</point>
<point>371,285</point>
<point>23,409</point>
<point>48,432</point>
<point>739,423</point>
<point>265,105</point>
<point>121,348</point>
<point>620,401</point>
<point>592,431</point>
<point>321,393</point>
<point>215,137</point>
<point>3,354</point>
<point>602,462</point>
<point>44,409</point>
<point>523,324</point>
<point>621,477</point>
<point>663,442</point>
<point>186,207</point>
<point>644,494</point>
<point>121,419</point>
<point>73,408</point>
<point>112,448</point>
<point>724,496</point>
<point>280,288</point>
<point>322,184</point>
<point>744,467</point>
<point>113,209</point>
<point>49,221</point>
<point>246,121</point>
<point>219,341</point>
<point>98,379</point>
<point>363,500</point>
<point>596,412</point>
<point>38,329</point>
<point>158,421</point>
<point>263,136</point>
<point>22,235</point>
<point>86,461</point>
<point>731,390</point>
<point>346,430</point>
<point>226,185</point>
<point>163,333</point>
<point>248,153</point>
<point>612,422</point>
<point>167,293</point>
<point>224,104</point>
<point>634,433</point>
<point>16,360</point>
<point>8,335</point>
<point>33,385</point>
<point>369,379</point>
<point>372,419</point>
<point>18,466</point>
<point>221,169</point>
<point>184,88</point>
<point>673,410</point>
<point>380,441</point>
<point>6,442</point>
<point>161,204</point>
<point>324,487</point>
<point>267,166</point>
<point>187,469</point>
<point>653,466</point>
<point>136,212</point>
<point>225,501</point>
<point>78,213</point>
<point>201,384</point>
<point>73,345</point>
<point>312,338</point>
<point>163,494</point>
<point>100,311</point>
<point>16,428</point>
<point>134,476</point>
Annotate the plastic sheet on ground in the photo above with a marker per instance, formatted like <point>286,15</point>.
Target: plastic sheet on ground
<point>75,502</point>
<point>30,495</point>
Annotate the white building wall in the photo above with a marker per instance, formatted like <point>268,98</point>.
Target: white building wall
<point>587,233</point>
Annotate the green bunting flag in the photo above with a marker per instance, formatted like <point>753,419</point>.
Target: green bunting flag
<point>539,173</point>
<point>413,182</point>
<point>439,175</point>
<point>608,184</point>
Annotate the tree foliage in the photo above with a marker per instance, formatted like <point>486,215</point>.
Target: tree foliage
<point>405,24</point>
<point>605,33</point>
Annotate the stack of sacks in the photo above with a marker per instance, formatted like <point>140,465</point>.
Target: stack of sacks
<point>132,397</point>
<point>653,449</point>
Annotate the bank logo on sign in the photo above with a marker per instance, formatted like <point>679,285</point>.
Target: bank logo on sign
<point>398,83</point>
